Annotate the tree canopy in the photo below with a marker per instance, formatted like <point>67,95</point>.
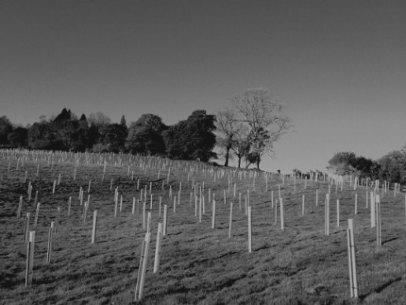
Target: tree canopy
<point>252,126</point>
<point>190,139</point>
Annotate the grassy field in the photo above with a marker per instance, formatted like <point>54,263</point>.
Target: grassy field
<point>199,265</point>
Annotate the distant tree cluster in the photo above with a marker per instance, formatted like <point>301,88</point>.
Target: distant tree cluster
<point>251,126</point>
<point>348,163</point>
<point>391,167</point>
<point>190,139</point>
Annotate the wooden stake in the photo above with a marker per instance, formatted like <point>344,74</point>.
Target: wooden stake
<point>94,226</point>
<point>69,205</point>
<point>158,247</point>
<point>165,224</point>
<point>327,215</point>
<point>231,219</point>
<point>378,221</point>
<point>49,247</point>
<point>338,212</point>
<point>203,205</point>
<point>275,214</point>
<point>249,230</point>
<point>246,204</point>
<point>139,289</point>
<point>149,222</point>
<point>372,209</point>
<point>351,260</point>
<point>213,214</point>
<point>27,227</point>
<point>200,209</point>
<point>20,206</point>
<point>196,206</point>
<point>85,208</point>
<point>115,207</point>
<point>282,214</point>
<point>144,216</point>
<point>36,215</point>
<point>30,259</point>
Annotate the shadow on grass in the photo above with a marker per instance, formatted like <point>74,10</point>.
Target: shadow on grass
<point>389,240</point>
<point>380,288</point>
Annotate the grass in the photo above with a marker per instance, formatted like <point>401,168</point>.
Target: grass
<point>199,265</point>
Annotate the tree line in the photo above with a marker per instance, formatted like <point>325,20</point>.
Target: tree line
<point>391,167</point>
<point>190,139</point>
<point>247,129</point>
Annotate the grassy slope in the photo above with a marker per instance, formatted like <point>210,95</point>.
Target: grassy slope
<point>198,265</point>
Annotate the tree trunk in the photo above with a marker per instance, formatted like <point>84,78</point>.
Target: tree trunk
<point>227,156</point>
<point>239,161</point>
<point>247,164</point>
<point>257,162</point>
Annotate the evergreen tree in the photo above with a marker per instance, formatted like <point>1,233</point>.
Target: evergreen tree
<point>123,121</point>
<point>81,135</point>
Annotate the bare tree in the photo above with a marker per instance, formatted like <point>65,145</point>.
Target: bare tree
<point>265,119</point>
<point>403,150</point>
<point>227,129</point>
<point>99,119</point>
<point>241,144</point>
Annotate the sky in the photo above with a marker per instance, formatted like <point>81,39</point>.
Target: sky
<point>339,67</point>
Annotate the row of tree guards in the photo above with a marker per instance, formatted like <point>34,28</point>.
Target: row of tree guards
<point>198,197</point>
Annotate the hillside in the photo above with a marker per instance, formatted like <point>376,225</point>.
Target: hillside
<point>199,265</point>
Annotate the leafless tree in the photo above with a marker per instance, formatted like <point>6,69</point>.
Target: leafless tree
<point>241,144</point>
<point>227,129</point>
<point>403,150</point>
<point>99,119</point>
<point>266,121</point>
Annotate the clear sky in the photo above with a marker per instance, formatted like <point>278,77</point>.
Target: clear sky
<point>340,66</point>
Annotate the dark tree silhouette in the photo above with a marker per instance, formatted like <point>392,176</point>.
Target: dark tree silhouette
<point>145,141</point>
<point>5,128</point>
<point>45,136</point>
<point>18,138</point>
<point>113,136</point>
<point>80,137</point>
<point>123,121</point>
<point>192,139</point>
<point>144,136</point>
<point>393,167</point>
